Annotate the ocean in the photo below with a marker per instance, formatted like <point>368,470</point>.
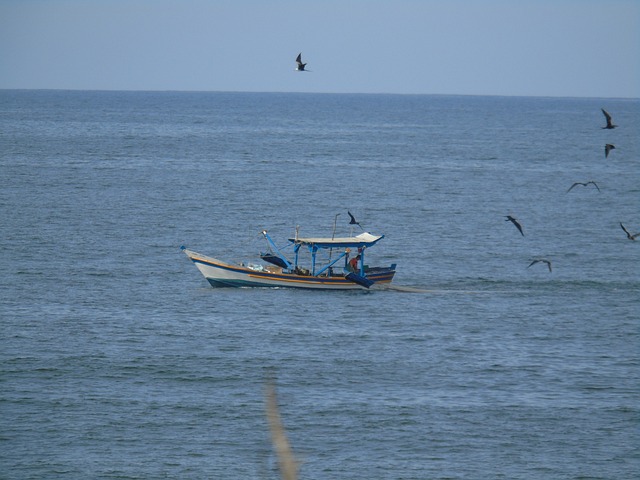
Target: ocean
<point>119,361</point>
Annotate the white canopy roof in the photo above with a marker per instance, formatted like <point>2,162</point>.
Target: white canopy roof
<point>363,240</point>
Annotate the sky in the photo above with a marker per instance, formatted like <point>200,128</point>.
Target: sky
<point>558,48</point>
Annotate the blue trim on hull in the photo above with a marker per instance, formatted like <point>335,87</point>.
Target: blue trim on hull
<point>244,284</point>
<point>312,285</point>
<point>236,284</point>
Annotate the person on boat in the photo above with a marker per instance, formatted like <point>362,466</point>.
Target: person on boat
<point>353,263</point>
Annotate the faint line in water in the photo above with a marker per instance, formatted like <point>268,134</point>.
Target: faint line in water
<point>286,461</point>
<point>406,289</point>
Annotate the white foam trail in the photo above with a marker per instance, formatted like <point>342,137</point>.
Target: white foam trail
<point>408,289</point>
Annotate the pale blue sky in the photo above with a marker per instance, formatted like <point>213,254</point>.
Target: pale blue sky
<point>578,48</point>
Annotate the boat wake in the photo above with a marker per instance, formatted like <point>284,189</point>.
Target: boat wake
<point>408,289</point>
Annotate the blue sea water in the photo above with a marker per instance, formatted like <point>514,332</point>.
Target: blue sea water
<point>119,361</point>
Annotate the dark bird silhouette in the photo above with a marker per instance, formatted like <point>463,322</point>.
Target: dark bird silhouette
<point>301,65</point>
<point>629,236</point>
<point>584,184</point>
<point>610,124</point>
<point>544,260</point>
<point>353,220</point>
<point>515,222</point>
<point>607,148</point>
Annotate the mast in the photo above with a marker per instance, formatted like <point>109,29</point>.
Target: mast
<point>333,235</point>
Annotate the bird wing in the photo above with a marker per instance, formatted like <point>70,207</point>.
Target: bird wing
<point>353,219</point>
<point>607,116</point>
<point>607,148</point>
<point>515,222</point>
<point>625,230</point>
<point>544,260</point>
<point>594,184</point>
<point>577,183</point>
<point>299,59</point>
<point>518,226</point>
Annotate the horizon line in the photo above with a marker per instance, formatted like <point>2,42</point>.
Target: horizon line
<point>114,90</point>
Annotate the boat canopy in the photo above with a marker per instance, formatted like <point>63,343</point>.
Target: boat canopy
<point>363,240</point>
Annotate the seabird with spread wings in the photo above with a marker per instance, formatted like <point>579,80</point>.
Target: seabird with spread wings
<point>300,67</point>
<point>629,236</point>
<point>353,220</point>
<point>584,184</point>
<point>543,260</point>
<point>607,148</point>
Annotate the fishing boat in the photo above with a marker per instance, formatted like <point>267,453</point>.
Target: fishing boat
<point>335,263</point>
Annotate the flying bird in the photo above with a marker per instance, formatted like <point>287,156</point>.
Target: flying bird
<point>610,124</point>
<point>584,184</point>
<point>544,260</point>
<point>607,148</point>
<point>353,220</point>
<point>629,236</point>
<point>300,67</point>
<point>515,222</point>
